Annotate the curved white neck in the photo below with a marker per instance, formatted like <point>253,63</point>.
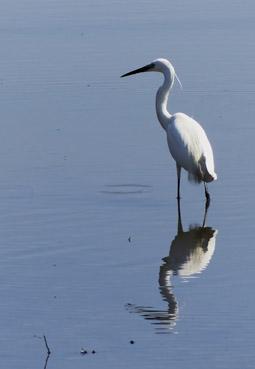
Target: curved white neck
<point>162,99</point>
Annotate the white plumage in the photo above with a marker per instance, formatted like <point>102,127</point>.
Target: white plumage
<point>196,154</point>
<point>187,141</point>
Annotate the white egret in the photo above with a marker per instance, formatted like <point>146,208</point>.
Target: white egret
<point>187,141</point>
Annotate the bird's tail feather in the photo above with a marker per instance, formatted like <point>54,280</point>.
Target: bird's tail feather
<point>201,173</point>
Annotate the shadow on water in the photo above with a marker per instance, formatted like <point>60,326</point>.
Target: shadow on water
<point>190,253</point>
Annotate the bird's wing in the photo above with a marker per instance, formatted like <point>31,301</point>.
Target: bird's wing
<point>190,147</point>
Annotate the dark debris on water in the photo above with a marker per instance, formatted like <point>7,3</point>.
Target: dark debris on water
<point>84,351</point>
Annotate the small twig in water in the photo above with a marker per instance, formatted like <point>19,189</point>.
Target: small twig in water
<point>46,344</point>
<point>46,361</point>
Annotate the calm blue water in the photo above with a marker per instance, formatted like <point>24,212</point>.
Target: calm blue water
<point>90,253</point>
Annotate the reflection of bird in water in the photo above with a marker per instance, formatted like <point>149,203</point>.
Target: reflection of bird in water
<point>189,254</point>
<point>190,251</point>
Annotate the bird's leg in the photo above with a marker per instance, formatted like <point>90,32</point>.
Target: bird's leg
<point>207,195</point>
<point>178,169</point>
<point>180,229</point>
<point>205,213</point>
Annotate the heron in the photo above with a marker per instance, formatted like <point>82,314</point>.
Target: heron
<point>187,140</point>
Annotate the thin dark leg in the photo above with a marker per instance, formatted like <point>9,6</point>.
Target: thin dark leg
<point>180,229</point>
<point>178,169</point>
<point>207,195</point>
<point>205,213</point>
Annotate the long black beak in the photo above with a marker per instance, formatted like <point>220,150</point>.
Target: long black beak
<point>146,68</point>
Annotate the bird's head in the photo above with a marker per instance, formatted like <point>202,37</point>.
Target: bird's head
<point>159,65</point>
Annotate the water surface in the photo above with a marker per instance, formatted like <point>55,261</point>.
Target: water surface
<point>91,253</point>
